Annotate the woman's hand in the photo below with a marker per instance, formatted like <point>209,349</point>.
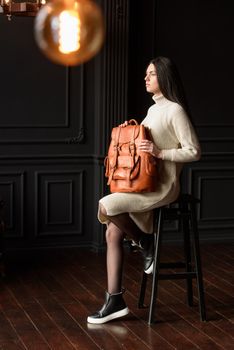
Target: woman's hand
<point>124,124</point>
<point>150,147</point>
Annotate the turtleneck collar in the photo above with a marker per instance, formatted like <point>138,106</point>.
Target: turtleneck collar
<point>160,100</point>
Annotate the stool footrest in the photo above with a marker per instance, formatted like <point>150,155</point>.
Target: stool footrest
<point>169,265</point>
<point>175,214</point>
<point>177,275</point>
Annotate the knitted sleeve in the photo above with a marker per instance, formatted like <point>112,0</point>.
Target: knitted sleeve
<point>188,145</point>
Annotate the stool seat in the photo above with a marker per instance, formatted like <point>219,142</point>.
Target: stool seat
<point>182,210</point>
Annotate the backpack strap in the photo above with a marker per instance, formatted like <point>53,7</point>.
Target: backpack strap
<point>115,139</point>
<point>132,145</point>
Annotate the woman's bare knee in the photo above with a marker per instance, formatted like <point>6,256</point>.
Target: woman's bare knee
<point>113,234</point>
<point>110,233</point>
<point>102,209</point>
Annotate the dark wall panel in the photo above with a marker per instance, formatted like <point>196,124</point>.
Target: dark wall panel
<point>41,103</point>
<point>12,192</point>
<point>197,36</point>
<point>58,203</point>
<point>46,144</point>
<point>49,202</point>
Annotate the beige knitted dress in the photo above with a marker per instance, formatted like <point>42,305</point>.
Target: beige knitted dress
<point>173,133</point>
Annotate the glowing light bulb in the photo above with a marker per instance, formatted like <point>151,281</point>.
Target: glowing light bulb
<point>69,32</point>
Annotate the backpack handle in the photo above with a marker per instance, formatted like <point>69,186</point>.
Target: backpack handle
<point>132,121</point>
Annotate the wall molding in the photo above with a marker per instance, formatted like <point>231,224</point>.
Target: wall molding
<point>15,181</point>
<point>111,73</point>
<point>71,131</point>
<point>43,180</point>
<point>196,179</point>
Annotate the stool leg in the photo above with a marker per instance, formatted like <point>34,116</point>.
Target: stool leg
<point>145,276</point>
<point>187,255</point>
<point>157,240</point>
<point>142,291</point>
<point>197,258</point>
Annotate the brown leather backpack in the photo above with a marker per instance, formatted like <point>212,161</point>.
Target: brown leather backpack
<point>127,168</point>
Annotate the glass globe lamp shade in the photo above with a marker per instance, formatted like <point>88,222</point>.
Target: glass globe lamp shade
<point>69,32</point>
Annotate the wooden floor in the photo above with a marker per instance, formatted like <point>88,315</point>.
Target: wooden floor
<point>45,300</point>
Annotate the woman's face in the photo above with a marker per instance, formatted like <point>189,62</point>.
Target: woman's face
<point>151,80</point>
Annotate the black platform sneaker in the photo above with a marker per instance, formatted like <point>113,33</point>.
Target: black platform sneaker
<point>114,307</point>
<point>147,248</point>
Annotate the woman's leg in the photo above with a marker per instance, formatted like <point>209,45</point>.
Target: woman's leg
<point>143,240</point>
<point>120,225</point>
<point>125,224</point>
<point>114,258</point>
<point>114,306</point>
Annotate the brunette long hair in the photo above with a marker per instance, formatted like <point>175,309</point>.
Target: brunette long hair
<point>169,81</point>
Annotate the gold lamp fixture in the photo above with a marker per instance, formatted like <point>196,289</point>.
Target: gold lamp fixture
<point>68,32</point>
<point>20,8</point>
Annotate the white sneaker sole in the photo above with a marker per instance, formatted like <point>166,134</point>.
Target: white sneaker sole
<point>108,318</point>
<point>150,269</point>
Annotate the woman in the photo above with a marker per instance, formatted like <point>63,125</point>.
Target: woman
<point>174,142</point>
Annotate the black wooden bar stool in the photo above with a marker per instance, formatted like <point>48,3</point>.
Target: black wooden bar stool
<point>184,211</point>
